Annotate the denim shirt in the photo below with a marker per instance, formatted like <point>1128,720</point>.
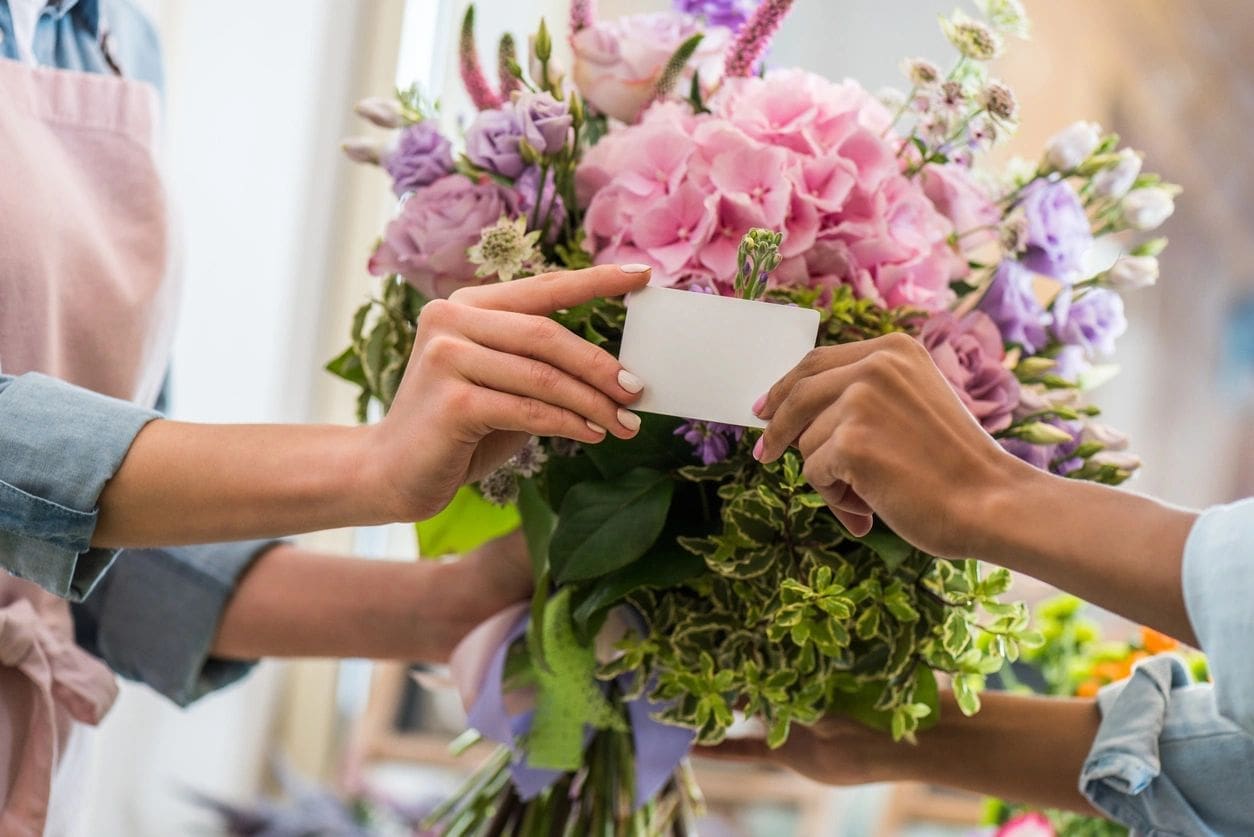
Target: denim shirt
<point>153,616</point>
<point>1176,758</point>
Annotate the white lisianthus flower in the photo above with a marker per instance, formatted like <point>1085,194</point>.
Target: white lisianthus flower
<point>1073,145</point>
<point>1103,434</point>
<point>1114,182</point>
<point>1146,209</point>
<point>1132,273</point>
<point>1119,459</point>
<point>364,150</point>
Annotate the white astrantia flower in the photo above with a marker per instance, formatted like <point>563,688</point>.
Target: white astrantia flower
<point>1147,209</point>
<point>1131,273</point>
<point>1007,16</point>
<point>1071,146</point>
<point>505,249</point>
<point>1116,180</point>
<point>891,98</point>
<point>973,38</point>
<point>920,71</point>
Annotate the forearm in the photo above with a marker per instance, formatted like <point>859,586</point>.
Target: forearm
<point>296,603</point>
<point>1019,748</point>
<point>1119,550</point>
<point>192,483</point>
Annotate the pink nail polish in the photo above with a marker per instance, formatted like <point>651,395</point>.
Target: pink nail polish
<point>757,450</point>
<point>758,405</point>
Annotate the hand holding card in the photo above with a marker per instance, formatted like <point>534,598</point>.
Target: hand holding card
<point>708,357</point>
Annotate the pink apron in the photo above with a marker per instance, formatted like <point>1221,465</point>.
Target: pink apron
<point>84,248</point>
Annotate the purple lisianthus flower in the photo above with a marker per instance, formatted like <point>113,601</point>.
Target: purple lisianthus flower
<point>968,351</point>
<point>729,13</point>
<point>492,142</point>
<point>1093,321</point>
<point>422,156</point>
<point>546,122</point>
<point>1070,363</point>
<point>1056,458</point>
<point>1012,305</point>
<point>1058,231</point>
<point>711,442</point>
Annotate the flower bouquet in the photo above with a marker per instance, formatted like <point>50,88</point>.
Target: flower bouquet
<point>680,583</point>
<point>1074,660</point>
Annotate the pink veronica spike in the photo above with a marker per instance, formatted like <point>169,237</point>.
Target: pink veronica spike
<point>582,14</point>
<point>481,92</point>
<point>754,38</point>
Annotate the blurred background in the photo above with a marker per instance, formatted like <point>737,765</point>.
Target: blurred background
<point>277,226</point>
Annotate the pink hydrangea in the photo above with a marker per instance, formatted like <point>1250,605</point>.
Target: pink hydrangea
<point>426,242</point>
<point>1027,825</point>
<point>790,152</point>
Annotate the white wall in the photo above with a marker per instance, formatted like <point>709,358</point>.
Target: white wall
<point>256,106</point>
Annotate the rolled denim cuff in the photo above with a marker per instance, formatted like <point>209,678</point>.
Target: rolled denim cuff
<point>154,617</point>
<point>59,446</point>
<point>1218,577</point>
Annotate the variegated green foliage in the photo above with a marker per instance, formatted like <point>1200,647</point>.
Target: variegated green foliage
<point>794,618</point>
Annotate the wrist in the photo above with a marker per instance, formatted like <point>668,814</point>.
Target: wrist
<point>1012,495</point>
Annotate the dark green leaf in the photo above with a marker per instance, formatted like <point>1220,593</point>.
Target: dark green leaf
<point>606,525</point>
<point>666,565</point>
<point>893,551</point>
<point>656,446</point>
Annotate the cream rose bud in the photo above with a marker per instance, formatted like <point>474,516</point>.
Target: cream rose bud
<point>1073,145</point>
<point>1132,273</point>
<point>1119,459</point>
<point>1146,209</point>
<point>1114,182</point>
<point>1103,434</point>
<point>385,113</point>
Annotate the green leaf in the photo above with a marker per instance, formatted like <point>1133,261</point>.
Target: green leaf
<point>604,526</point>
<point>893,551</point>
<point>666,565</point>
<point>467,522</point>
<point>537,522</point>
<point>348,366</point>
<point>568,695</point>
<point>655,446</point>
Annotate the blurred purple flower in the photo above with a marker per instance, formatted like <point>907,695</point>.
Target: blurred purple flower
<point>492,142</point>
<point>1012,305</point>
<point>1071,363</point>
<point>553,207</point>
<point>1054,458</point>
<point>711,442</point>
<point>968,351</point>
<point>422,156</point>
<point>545,121</point>
<point>729,13</point>
<point>1059,233</point>
<point>1093,321</point>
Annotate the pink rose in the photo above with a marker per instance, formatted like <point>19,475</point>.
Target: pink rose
<point>1027,825</point>
<point>618,62</point>
<point>427,242</point>
<point>956,195</point>
<point>969,352</point>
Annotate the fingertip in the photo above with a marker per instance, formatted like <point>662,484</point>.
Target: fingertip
<point>760,405</point>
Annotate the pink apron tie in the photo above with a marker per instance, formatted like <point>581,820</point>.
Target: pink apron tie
<point>84,251</point>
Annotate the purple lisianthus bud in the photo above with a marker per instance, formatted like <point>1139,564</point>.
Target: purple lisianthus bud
<point>968,351</point>
<point>1012,305</point>
<point>492,142</point>
<point>1093,322</point>
<point>729,13</point>
<point>1056,458</point>
<point>1058,231</point>
<point>711,442</point>
<point>546,122</point>
<point>421,157</point>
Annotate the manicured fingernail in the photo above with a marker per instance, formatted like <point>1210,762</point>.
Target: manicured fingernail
<point>758,405</point>
<point>629,382</point>
<point>634,268</point>
<point>629,419</point>
<point>595,428</point>
<point>757,449</point>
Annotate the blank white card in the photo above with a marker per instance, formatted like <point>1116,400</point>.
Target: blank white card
<point>709,357</point>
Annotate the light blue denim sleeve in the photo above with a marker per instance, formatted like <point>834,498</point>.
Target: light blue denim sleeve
<point>1165,761</point>
<point>1219,595</point>
<point>154,616</point>
<point>59,445</point>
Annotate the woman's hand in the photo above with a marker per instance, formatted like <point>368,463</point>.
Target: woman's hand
<point>834,751</point>
<point>488,370</point>
<point>883,433</point>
